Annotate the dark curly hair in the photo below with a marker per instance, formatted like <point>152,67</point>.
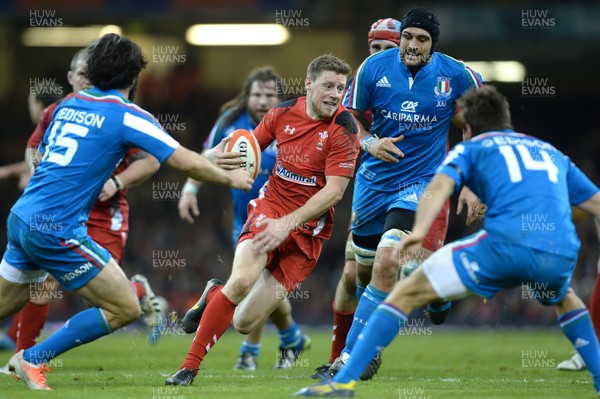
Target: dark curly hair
<point>114,62</point>
<point>485,109</point>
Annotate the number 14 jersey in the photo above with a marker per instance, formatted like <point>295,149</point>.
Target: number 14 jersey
<point>527,185</point>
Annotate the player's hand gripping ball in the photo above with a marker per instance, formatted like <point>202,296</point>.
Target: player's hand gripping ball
<point>244,142</point>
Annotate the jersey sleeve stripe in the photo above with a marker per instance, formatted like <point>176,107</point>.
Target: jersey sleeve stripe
<point>474,77</point>
<point>147,127</point>
<point>353,92</point>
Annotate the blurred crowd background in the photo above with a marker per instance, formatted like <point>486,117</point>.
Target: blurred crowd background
<point>555,42</point>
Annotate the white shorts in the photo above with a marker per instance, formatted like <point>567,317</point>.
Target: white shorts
<point>18,276</point>
<point>441,273</point>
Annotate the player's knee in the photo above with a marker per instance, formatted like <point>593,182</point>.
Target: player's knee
<point>128,312</point>
<point>243,324</point>
<point>385,272</point>
<point>240,286</point>
<point>386,267</point>
<point>391,238</point>
<point>349,253</point>
<point>349,279</point>
<point>133,312</point>
<point>363,275</point>
<point>570,301</point>
<point>364,256</point>
<point>387,261</point>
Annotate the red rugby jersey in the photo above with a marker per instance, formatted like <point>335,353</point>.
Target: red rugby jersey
<point>308,150</point>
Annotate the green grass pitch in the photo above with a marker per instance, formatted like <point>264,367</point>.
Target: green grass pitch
<point>432,363</point>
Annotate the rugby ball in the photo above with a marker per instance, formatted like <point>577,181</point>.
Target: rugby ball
<point>244,142</point>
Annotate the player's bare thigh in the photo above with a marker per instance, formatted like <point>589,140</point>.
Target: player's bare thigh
<point>13,296</point>
<point>15,285</point>
<point>248,263</point>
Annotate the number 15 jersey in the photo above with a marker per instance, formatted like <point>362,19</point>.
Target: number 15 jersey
<point>89,135</point>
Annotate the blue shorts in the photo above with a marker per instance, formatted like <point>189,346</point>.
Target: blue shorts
<point>73,262</point>
<point>370,207</point>
<point>487,266</point>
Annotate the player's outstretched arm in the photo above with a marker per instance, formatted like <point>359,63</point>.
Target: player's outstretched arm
<point>592,206</point>
<point>142,166</point>
<point>276,231</point>
<point>199,168</point>
<point>14,169</point>
<point>188,203</point>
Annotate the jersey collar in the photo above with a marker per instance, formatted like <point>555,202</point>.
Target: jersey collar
<point>96,92</point>
<point>423,70</point>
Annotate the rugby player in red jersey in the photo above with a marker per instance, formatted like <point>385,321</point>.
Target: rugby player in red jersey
<point>283,236</point>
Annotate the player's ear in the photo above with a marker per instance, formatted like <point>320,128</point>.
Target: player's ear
<point>307,83</point>
<point>70,77</point>
<point>467,132</point>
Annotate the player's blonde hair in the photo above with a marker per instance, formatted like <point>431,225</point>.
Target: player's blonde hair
<point>327,62</point>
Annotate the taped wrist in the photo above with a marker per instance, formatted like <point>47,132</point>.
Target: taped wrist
<point>366,143</point>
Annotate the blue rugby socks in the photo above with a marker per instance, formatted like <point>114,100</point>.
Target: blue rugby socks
<point>247,347</point>
<point>366,306</point>
<point>84,327</point>
<point>291,337</point>
<point>383,326</point>
<point>577,326</point>
<point>359,290</point>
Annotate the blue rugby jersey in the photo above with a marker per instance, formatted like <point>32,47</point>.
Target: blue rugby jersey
<point>527,185</point>
<point>419,108</point>
<point>89,135</point>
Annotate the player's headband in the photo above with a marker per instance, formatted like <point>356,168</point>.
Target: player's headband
<point>386,29</point>
<point>424,19</point>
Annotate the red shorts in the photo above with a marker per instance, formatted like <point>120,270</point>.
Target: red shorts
<point>113,241</point>
<point>293,261</point>
<point>434,239</point>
